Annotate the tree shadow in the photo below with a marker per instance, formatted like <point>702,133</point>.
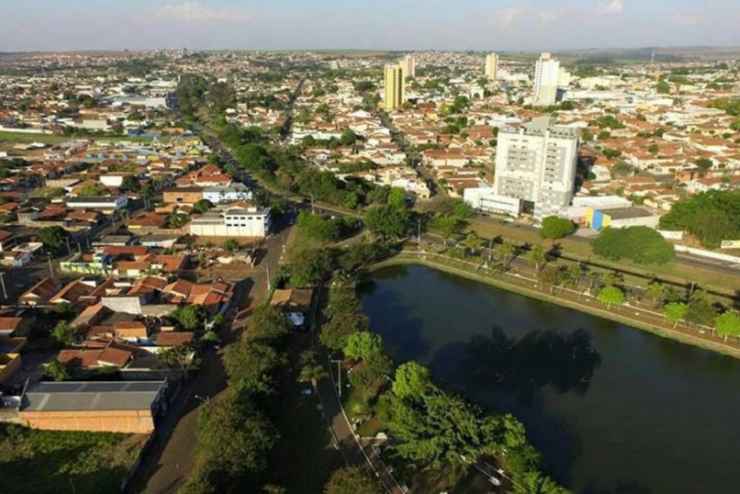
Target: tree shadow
<point>564,362</point>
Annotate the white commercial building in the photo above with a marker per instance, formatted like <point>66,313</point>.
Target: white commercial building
<point>491,69</point>
<point>246,221</point>
<point>546,80</point>
<point>537,163</point>
<point>484,199</point>
<point>232,193</point>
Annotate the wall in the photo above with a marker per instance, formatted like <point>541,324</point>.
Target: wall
<point>128,421</point>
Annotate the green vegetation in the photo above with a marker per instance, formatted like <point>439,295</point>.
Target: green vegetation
<point>49,462</point>
<point>728,324</point>
<point>611,295</point>
<point>351,480</point>
<point>93,190</point>
<point>189,317</point>
<point>608,122</point>
<point>641,244</point>
<point>554,227</point>
<point>663,87</point>
<point>323,229</point>
<point>675,312</point>
<point>202,206</point>
<point>54,239</point>
<point>730,105</point>
<point>711,216</point>
<point>235,432</point>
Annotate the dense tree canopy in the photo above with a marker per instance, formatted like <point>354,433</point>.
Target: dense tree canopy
<point>711,216</point>
<point>554,227</point>
<point>638,243</point>
<point>351,480</point>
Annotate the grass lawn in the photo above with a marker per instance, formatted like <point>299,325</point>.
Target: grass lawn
<point>677,271</point>
<point>57,462</point>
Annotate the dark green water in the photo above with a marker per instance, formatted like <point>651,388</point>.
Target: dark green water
<point>613,409</point>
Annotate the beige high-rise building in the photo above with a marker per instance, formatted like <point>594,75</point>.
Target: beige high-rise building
<point>491,66</point>
<point>408,66</point>
<point>394,87</point>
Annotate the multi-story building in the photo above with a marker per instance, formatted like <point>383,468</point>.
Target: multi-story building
<point>546,79</point>
<point>408,66</point>
<point>537,163</point>
<point>491,69</point>
<point>236,221</point>
<point>394,87</point>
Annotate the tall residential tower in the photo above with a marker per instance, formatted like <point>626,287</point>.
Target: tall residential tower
<point>394,87</point>
<point>546,78</point>
<point>537,163</point>
<point>408,66</point>
<point>491,66</point>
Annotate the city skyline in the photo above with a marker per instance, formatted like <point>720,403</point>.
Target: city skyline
<point>526,25</point>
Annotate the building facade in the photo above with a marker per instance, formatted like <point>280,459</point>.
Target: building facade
<point>537,163</point>
<point>394,88</point>
<point>408,66</point>
<point>491,69</point>
<point>233,222</point>
<point>546,79</point>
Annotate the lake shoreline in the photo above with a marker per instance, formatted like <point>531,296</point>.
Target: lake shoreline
<point>675,335</point>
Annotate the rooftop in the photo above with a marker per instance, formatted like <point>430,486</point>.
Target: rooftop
<point>91,396</point>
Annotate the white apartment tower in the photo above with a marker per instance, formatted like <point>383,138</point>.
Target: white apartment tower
<point>491,69</point>
<point>546,78</point>
<point>408,66</point>
<point>537,163</point>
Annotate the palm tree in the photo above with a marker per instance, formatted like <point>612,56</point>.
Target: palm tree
<point>311,370</point>
<point>538,257</point>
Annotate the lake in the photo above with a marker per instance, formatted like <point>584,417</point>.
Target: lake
<point>614,410</point>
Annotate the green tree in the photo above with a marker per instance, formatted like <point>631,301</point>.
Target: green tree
<point>388,221</point>
<point>655,293</point>
<point>311,370</point>
<point>54,239</point>
<point>675,312</point>
<point>506,252</point>
<point>554,227</point>
<point>663,87</point>
<point>234,434</point>
<point>57,371</point>
<point>202,206</point>
<point>397,198</point>
<point>728,324</point>
<point>351,480</point>
<point>710,216</point>
<point>189,317</point>
<point>231,245</point>
<point>412,380</point>
<point>611,295</point>
<point>641,244</point>
<point>336,332</point>
<point>536,483</point>
<point>180,358</point>
<point>63,334</point>
<point>363,345</point>
<point>538,257</point>
<point>701,311</point>
<point>251,366</point>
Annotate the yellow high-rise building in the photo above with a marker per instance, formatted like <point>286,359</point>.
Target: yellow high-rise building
<point>491,66</point>
<point>394,87</point>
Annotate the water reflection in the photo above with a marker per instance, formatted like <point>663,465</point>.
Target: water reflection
<point>566,362</point>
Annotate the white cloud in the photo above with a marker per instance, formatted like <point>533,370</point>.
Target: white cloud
<point>193,11</point>
<point>612,7</point>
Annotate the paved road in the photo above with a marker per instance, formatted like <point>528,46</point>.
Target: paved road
<point>170,461</point>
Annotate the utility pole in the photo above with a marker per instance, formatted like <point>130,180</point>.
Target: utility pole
<point>51,269</point>
<point>2,283</point>
<point>267,270</point>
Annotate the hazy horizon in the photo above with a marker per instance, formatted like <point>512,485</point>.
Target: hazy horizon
<point>381,25</point>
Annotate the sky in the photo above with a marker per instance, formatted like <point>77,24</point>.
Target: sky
<point>503,25</point>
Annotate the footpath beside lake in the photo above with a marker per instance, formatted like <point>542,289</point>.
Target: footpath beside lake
<point>613,409</point>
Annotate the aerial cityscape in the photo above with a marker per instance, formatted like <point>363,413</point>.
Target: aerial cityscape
<point>325,248</point>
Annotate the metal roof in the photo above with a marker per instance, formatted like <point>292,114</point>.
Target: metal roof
<point>92,395</point>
